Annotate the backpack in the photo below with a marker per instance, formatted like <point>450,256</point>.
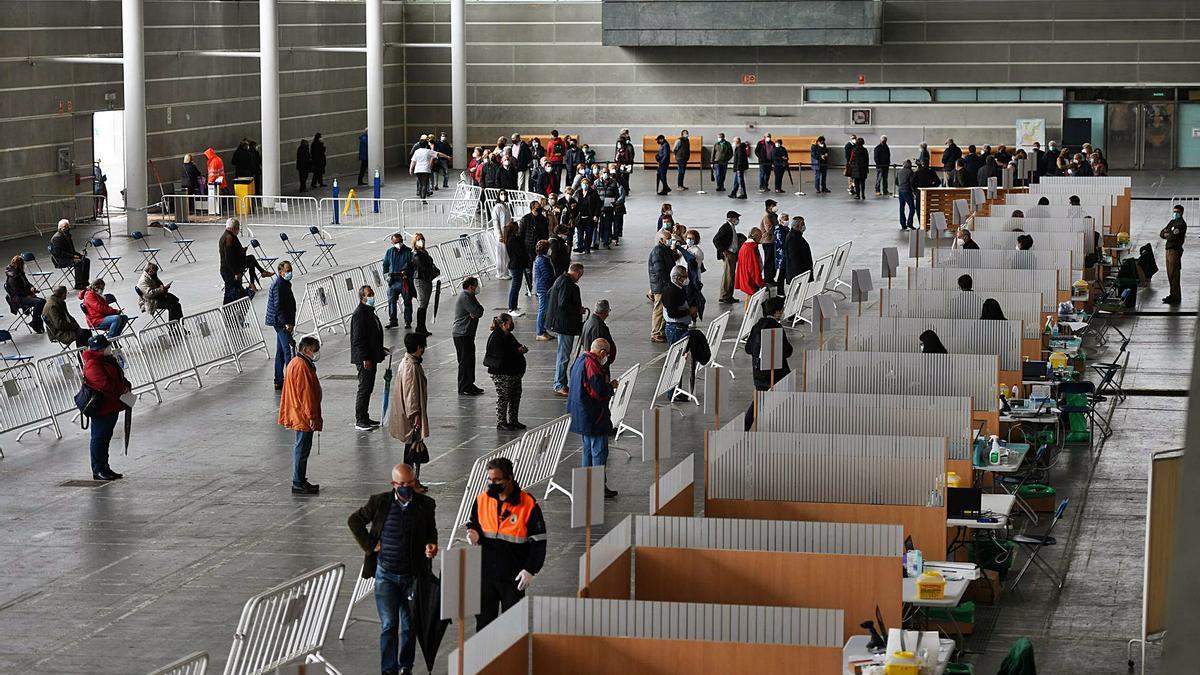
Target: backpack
<point>87,400</point>
<point>1146,261</point>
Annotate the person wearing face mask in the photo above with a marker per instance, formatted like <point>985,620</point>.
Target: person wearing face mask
<point>818,154</point>
<point>521,157</point>
<point>591,390</point>
<point>767,225</point>
<point>772,310</point>
<point>1174,233</point>
<point>98,311</point>
<point>779,163</point>
<point>397,269</point>
<point>749,265</point>
<point>61,327</point>
<point>63,254</point>
<point>281,315</point>
<point>397,531</point>
<point>612,207</point>
<point>366,352</point>
<point>155,295</point>
<point>445,159</point>
<point>930,343</point>
<point>565,318</point>
<point>722,152</point>
<point>467,312</point>
<point>508,524</point>
<point>779,254</point>
<point>662,161</point>
<point>797,255</point>
<point>662,259</point>
<point>408,414</point>
<point>504,357</point>
<point>102,374</point>
<point>300,410</point>
<point>965,241</point>
<point>589,216</point>
<point>683,153</point>
<point>424,271</point>
<point>726,244</point>
<point>22,295</point>
<point>501,216</point>
<point>573,159</point>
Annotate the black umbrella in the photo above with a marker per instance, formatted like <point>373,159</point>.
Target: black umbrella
<point>437,298</point>
<point>425,611</point>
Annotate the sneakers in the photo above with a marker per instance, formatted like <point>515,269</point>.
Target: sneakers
<point>305,488</point>
<point>543,338</point>
<point>392,324</point>
<point>516,312</point>
<point>366,425</point>
<point>609,494</point>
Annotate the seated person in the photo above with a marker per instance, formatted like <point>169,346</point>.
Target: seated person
<point>931,343</point>
<point>991,311</point>
<point>966,283</point>
<point>156,295</point>
<point>1024,242</point>
<point>63,253</point>
<point>23,295</point>
<point>99,312</point>
<point>61,327</point>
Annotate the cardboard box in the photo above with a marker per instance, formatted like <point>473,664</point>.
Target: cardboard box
<point>985,590</point>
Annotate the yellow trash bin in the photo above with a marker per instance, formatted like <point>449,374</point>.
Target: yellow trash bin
<point>243,189</point>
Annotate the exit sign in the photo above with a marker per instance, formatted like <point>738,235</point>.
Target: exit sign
<point>749,79</point>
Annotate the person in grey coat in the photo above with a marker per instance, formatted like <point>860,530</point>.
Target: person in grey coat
<point>596,327</point>
<point>467,312</point>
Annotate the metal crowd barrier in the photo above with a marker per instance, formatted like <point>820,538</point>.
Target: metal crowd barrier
<point>192,664</point>
<point>618,406</point>
<point>361,213</point>
<point>35,393</point>
<point>286,624</point>
<point>534,456</point>
<point>252,211</point>
<point>462,211</point>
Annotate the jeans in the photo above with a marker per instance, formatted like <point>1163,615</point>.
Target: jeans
<point>395,625</point>
<point>618,224</point>
<point>660,179</point>
<point>283,353</point>
<point>35,305</point>
<point>739,181</point>
<point>233,287</point>
<point>102,433</point>
<point>300,453</point>
<point>464,348</point>
<point>539,327</point>
<point>881,179</point>
<point>680,172</point>
<point>719,175</point>
<point>908,199</point>
<point>443,167</point>
<point>560,360</point>
<point>595,449</point>
<point>818,177</point>
<point>764,174</point>
<point>606,226</point>
<point>395,293</point>
<point>113,323</point>
<point>514,287</point>
<point>583,239</point>
<point>362,398</point>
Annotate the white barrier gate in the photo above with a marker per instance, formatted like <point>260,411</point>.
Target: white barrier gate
<point>534,456</point>
<point>192,664</point>
<point>363,589</point>
<point>672,372</point>
<point>60,377</point>
<point>715,334</point>
<point>820,274</point>
<point>168,353</point>
<point>841,255</point>
<point>619,404</point>
<point>286,623</point>
<point>753,312</point>
<point>321,298</point>
<point>24,404</point>
<point>360,213</point>
<point>793,300</point>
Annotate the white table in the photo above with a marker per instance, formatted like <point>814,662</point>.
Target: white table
<point>1015,458</point>
<point>856,648</point>
<point>999,504</point>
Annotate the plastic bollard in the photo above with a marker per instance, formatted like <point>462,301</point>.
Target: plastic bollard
<point>378,188</point>
<point>336,208</point>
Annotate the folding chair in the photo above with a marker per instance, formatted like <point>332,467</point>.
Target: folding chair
<point>108,260</point>
<point>65,275</point>
<point>1033,545</point>
<point>1108,371</point>
<point>149,255</point>
<point>156,315</point>
<point>6,336</point>
<point>43,277</point>
<point>1088,409</point>
<point>21,316</point>
<point>261,254</point>
<point>185,245</point>
<point>324,246</point>
<point>296,254</point>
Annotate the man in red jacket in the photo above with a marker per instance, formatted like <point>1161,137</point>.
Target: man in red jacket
<point>102,374</point>
<point>556,154</point>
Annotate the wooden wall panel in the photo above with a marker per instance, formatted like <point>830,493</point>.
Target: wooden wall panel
<point>578,655</point>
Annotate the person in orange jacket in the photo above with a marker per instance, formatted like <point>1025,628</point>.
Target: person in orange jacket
<point>749,277</point>
<point>216,170</point>
<point>300,410</point>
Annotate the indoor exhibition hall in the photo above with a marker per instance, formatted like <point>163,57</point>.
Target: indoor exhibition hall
<point>599,337</point>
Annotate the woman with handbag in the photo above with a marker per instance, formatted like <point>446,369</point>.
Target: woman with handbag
<point>408,417</point>
<point>505,361</point>
<point>102,375</point>
<point>424,273</point>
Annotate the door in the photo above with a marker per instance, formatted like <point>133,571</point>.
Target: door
<point>108,152</point>
<point>1141,136</point>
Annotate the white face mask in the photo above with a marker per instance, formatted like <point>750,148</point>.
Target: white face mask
<point>420,243</point>
<point>287,276</point>
<point>397,246</point>
<point>316,356</point>
<point>604,360</point>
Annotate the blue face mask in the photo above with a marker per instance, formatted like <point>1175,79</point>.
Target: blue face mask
<point>287,276</point>
<point>404,492</point>
<point>370,301</point>
<point>1178,215</point>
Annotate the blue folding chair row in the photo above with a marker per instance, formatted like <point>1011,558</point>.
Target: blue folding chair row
<point>185,245</point>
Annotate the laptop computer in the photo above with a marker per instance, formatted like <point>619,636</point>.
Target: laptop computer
<point>963,502</point>
<point>1035,371</point>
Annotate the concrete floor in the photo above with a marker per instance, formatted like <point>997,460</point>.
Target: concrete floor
<point>129,576</point>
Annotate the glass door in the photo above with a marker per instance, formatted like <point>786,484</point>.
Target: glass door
<point>1140,136</point>
<point>1158,139</point>
<point>1122,131</point>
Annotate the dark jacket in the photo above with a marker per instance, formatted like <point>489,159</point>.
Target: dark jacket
<point>281,304</point>
<point>532,230</point>
<point>593,328</point>
<point>819,155</point>
<point>797,255</point>
<point>508,177</point>
<point>303,159</point>
<point>491,174</point>
<point>663,156</point>
<point>560,256</point>
<point>423,266</point>
<point>963,179</point>
<point>233,254</point>
<point>682,150</point>
<point>518,255</point>
<point>860,163</point>
<point>662,259</point>
<point>102,373</point>
<point>924,177</point>
<point>62,249</point>
<point>503,356</point>
<point>189,176</point>
<point>467,312</point>
<point>590,392</point>
<point>676,307</point>
<point>16,284</point>
<point>363,148</point>
<point>366,336</point>
<point>847,150</point>
<point>741,157</point>
<point>722,152</point>
<point>573,158</point>
<point>763,151</point>
<point>566,308</point>
<point>762,378</point>
<point>397,264</point>
<point>317,152</point>
<point>243,161</point>
<point>950,155</point>
<point>973,163</point>
<point>779,157</point>
<point>366,524</point>
<point>521,155</point>
<point>723,239</point>
<point>906,180</point>
<point>61,327</point>
<point>589,204</point>
<point>986,172</point>
<point>883,155</point>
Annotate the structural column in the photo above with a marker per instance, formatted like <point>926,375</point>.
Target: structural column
<point>458,80</point>
<point>133,55</point>
<point>375,121</point>
<point>268,64</point>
